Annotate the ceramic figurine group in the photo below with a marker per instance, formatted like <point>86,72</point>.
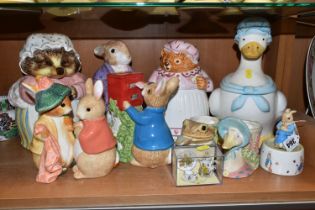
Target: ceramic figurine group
<point>109,123</point>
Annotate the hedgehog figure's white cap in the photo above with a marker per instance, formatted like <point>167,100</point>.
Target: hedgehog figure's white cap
<point>40,41</point>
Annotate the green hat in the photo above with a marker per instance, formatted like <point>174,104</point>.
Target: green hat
<point>51,97</point>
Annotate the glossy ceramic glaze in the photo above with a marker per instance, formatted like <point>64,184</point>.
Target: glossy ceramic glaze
<point>181,59</point>
<point>281,162</point>
<point>35,45</point>
<point>248,93</point>
<point>241,144</point>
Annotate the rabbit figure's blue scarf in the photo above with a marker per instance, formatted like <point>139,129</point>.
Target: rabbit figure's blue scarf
<point>255,93</point>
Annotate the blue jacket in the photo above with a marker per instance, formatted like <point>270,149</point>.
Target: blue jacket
<point>151,130</point>
<point>282,135</point>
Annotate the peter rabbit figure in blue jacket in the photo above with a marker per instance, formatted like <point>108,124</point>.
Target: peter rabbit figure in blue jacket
<point>153,139</point>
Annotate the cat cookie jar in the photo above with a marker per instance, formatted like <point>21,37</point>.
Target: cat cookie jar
<point>50,55</point>
<point>248,93</point>
<point>180,59</point>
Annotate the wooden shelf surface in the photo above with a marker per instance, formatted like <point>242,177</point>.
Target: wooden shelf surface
<point>127,185</point>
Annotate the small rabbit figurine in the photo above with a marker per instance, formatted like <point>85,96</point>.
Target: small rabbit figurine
<point>284,155</point>
<point>285,127</point>
<point>53,139</point>
<point>152,139</point>
<point>117,59</point>
<point>94,150</point>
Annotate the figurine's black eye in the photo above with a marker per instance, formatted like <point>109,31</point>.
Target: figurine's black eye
<point>203,127</point>
<point>177,61</point>
<point>48,62</point>
<point>39,59</point>
<point>263,39</point>
<point>112,50</point>
<point>88,109</point>
<point>65,63</point>
<point>63,105</point>
<point>243,39</point>
<point>149,91</point>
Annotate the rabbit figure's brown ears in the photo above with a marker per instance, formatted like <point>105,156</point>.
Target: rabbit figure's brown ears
<point>96,90</point>
<point>172,84</point>
<point>167,87</point>
<point>288,111</point>
<point>89,86</point>
<point>99,51</point>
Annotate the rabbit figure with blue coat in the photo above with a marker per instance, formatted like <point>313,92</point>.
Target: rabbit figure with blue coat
<point>153,140</point>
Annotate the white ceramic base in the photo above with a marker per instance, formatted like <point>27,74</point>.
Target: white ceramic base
<point>281,162</point>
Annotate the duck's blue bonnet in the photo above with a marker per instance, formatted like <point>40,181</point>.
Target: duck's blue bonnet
<point>236,123</point>
<point>253,26</point>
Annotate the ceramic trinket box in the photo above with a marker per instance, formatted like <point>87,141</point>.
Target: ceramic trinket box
<point>44,55</point>
<point>197,165</point>
<point>284,155</point>
<point>181,59</point>
<point>241,145</point>
<point>248,93</point>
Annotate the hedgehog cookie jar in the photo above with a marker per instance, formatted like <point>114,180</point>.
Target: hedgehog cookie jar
<point>248,93</point>
<point>52,56</point>
<point>180,59</point>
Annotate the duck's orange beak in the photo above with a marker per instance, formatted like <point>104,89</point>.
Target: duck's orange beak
<point>252,50</point>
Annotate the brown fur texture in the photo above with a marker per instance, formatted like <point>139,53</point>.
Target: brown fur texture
<point>56,63</point>
<point>160,98</point>
<point>176,62</point>
<point>97,165</point>
<point>109,51</point>
<point>149,158</point>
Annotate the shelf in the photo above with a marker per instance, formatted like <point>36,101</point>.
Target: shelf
<point>129,186</point>
<point>143,22</point>
<point>178,4</point>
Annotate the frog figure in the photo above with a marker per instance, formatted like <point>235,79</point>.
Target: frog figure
<point>196,133</point>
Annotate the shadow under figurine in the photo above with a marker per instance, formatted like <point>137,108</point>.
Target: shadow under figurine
<point>94,150</point>
<point>53,139</point>
<point>284,155</point>
<point>152,139</point>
